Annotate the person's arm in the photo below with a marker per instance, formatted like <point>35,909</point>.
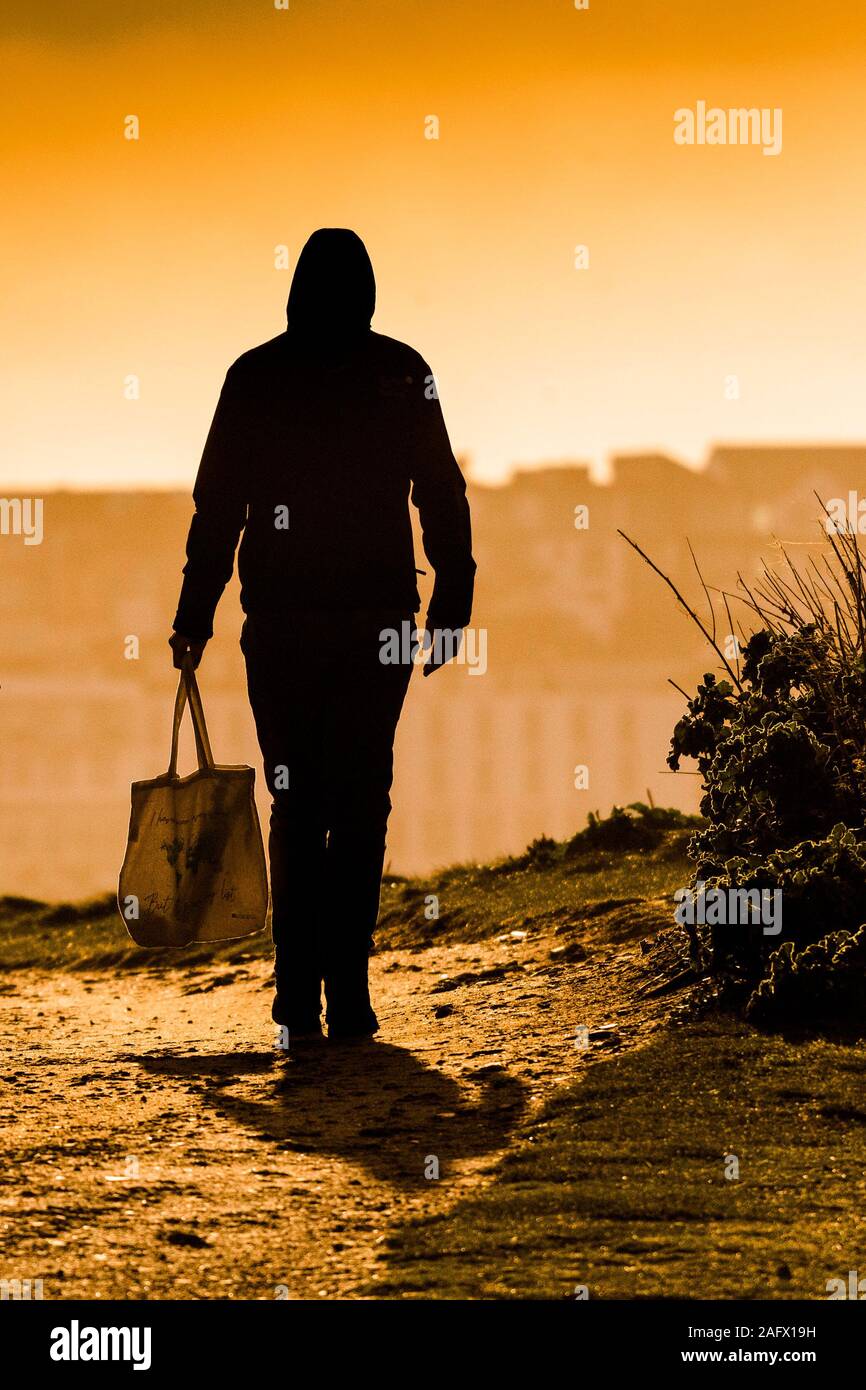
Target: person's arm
<point>439,493</point>
<point>220,497</point>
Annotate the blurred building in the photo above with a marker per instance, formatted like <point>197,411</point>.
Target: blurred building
<point>581,640</point>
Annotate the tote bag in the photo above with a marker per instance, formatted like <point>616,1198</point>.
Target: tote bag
<point>194,868</point>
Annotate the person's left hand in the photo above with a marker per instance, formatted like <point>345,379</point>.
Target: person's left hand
<point>441,652</point>
<point>180,645</point>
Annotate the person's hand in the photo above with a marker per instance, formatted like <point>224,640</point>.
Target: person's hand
<point>445,643</point>
<point>180,645</point>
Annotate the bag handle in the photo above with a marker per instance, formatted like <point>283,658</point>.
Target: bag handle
<point>187,689</point>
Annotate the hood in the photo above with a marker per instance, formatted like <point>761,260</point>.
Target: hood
<point>333,293</point>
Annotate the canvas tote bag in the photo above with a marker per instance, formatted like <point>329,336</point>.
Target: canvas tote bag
<point>194,868</point>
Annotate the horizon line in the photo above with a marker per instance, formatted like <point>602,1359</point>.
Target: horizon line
<point>518,470</point>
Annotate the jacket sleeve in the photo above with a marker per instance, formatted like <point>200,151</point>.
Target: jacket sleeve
<point>439,493</point>
<point>220,498</point>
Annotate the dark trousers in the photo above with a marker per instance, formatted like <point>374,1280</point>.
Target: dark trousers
<point>326,710</point>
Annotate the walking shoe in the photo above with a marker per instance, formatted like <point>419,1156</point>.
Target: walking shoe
<point>360,1024</point>
<point>300,1026</point>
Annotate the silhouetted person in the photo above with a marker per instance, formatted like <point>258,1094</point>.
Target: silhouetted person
<point>317,440</point>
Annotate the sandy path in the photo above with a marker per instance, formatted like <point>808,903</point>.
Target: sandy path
<point>158,1145</point>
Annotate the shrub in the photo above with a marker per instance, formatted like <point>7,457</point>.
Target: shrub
<point>825,981</point>
<point>629,828</point>
<point>780,744</point>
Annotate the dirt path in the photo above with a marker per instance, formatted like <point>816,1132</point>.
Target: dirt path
<point>158,1145</point>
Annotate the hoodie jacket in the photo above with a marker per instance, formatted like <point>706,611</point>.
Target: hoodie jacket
<point>319,439</point>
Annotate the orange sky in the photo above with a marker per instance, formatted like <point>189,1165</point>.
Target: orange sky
<point>155,257</point>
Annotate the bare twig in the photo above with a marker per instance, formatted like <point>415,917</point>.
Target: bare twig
<point>686,607</point>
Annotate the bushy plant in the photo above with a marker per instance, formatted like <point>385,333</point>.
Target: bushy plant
<point>780,744</point>
<point>825,981</point>
<point>634,827</point>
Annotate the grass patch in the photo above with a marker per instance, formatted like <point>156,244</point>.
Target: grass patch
<point>620,1183</point>
<point>91,935</point>
<point>641,855</point>
<point>636,853</point>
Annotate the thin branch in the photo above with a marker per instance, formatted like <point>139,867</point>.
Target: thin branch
<point>710,603</point>
<point>686,607</point>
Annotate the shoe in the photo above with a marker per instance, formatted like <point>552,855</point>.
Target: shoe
<point>300,1026</point>
<point>352,1025</point>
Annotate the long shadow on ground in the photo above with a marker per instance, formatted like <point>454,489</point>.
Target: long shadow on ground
<point>372,1104</point>
<point>717,1162</point>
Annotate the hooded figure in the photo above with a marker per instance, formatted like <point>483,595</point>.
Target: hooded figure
<point>319,439</point>
<point>333,293</point>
